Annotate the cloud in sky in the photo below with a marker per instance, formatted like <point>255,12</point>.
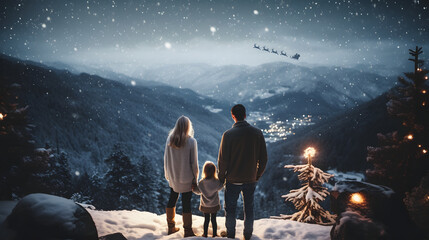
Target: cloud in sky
<point>120,33</point>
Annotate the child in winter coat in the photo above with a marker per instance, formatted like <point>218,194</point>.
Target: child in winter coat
<point>208,188</point>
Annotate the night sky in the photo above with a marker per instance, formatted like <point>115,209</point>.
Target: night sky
<point>105,33</point>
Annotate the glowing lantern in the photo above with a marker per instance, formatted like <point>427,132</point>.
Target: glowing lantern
<point>357,198</point>
<point>2,116</point>
<point>424,151</point>
<point>410,136</point>
<point>309,153</point>
<point>424,91</point>
<point>426,77</point>
<point>419,69</point>
<point>424,103</point>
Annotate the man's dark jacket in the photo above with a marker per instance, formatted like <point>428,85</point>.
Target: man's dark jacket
<point>242,154</point>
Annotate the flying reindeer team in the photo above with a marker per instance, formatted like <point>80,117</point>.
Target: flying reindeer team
<point>283,53</point>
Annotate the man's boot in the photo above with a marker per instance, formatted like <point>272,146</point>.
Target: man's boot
<point>171,213</point>
<point>187,224</point>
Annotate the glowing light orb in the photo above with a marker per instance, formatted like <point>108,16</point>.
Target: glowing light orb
<point>75,49</point>
<point>48,18</point>
<point>410,137</point>
<point>133,83</point>
<point>424,91</point>
<point>357,198</point>
<point>309,152</point>
<point>424,151</point>
<point>167,45</point>
<point>267,29</point>
<point>256,12</point>
<point>1,116</point>
<point>77,173</point>
<point>43,25</point>
<point>213,29</point>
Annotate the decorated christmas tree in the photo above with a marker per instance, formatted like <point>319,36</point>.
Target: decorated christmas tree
<point>401,160</point>
<point>306,199</point>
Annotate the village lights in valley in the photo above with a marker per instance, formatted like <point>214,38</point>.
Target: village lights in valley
<point>357,198</point>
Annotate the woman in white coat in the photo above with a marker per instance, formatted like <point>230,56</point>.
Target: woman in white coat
<point>181,172</point>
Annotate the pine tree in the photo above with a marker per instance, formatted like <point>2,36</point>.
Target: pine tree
<point>401,159</point>
<point>146,185</point>
<point>121,182</point>
<point>16,144</point>
<point>59,177</point>
<point>306,199</point>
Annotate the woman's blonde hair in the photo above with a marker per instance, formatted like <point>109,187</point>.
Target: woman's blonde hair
<point>209,171</point>
<point>181,132</point>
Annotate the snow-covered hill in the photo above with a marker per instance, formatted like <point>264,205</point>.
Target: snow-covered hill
<point>141,225</point>
<point>87,115</point>
<point>145,225</point>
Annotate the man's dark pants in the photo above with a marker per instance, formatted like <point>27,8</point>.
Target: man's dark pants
<point>232,192</point>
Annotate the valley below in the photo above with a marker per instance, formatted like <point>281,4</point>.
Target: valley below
<point>87,116</point>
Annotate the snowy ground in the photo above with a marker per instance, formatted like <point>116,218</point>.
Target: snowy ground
<point>137,225</point>
<point>144,225</point>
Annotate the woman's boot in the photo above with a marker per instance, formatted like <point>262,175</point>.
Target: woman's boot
<point>187,224</point>
<point>171,213</point>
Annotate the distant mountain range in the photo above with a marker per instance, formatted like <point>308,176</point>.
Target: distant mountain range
<point>341,87</point>
<point>86,115</point>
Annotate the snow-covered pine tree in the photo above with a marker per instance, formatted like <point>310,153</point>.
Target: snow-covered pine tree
<point>121,182</point>
<point>16,143</point>
<point>306,199</point>
<point>401,160</point>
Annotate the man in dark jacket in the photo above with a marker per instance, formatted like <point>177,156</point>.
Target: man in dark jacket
<point>241,162</point>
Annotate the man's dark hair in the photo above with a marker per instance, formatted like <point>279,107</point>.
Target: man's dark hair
<point>239,112</point>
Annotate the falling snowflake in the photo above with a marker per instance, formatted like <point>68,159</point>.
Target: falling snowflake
<point>133,83</point>
<point>256,12</point>
<point>212,29</point>
<point>167,45</point>
<point>43,25</point>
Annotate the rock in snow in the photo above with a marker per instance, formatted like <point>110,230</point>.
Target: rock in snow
<point>43,216</point>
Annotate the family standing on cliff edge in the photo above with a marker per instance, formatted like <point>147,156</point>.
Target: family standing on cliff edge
<point>241,162</point>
